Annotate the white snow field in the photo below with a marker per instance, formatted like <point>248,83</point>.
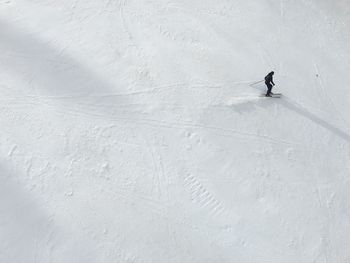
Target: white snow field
<point>134,131</point>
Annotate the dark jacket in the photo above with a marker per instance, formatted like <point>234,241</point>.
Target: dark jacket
<point>269,79</point>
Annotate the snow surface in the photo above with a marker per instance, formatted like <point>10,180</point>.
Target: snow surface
<point>133,131</point>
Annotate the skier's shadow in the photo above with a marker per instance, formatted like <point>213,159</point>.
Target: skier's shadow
<point>291,105</point>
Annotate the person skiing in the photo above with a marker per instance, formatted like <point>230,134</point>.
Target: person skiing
<point>269,83</point>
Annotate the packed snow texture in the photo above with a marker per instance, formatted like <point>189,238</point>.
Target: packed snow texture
<point>135,131</point>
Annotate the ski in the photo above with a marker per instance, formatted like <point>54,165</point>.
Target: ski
<point>275,95</point>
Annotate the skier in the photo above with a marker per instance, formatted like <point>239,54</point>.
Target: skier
<point>269,83</point>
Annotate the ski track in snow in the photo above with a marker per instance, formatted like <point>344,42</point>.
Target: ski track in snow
<point>203,197</point>
<point>134,131</point>
<point>91,110</point>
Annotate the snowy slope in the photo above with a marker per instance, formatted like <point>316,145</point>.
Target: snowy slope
<point>133,131</point>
